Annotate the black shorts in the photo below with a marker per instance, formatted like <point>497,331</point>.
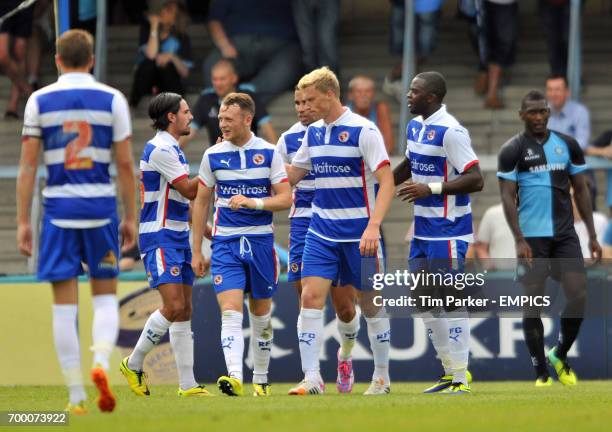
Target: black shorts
<point>20,24</point>
<point>552,256</point>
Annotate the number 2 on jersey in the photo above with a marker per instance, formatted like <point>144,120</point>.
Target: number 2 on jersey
<point>72,161</point>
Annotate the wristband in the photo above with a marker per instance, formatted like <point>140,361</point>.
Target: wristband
<point>153,34</point>
<point>259,204</point>
<point>435,188</point>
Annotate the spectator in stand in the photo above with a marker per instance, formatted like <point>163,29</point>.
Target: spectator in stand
<point>42,36</point>
<point>316,23</point>
<point>555,16</point>
<point>500,18</point>
<point>164,57</point>
<point>427,16</point>
<point>16,29</point>
<point>570,118</point>
<point>206,110</point>
<point>361,96</point>
<point>473,12</point>
<point>260,38</point>
<point>494,244</point>
<point>83,14</point>
<point>567,116</point>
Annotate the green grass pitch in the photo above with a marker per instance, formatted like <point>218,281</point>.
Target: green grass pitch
<point>493,407</point>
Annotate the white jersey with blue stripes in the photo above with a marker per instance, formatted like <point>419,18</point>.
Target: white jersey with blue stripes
<point>249,170</point>
<point>164,216</point>
<point>439,150</point>
<point>288,145</point>
<point>343,155</point>
<point>78,119</point>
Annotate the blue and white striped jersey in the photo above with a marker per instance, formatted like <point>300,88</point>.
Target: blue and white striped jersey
<point>343,156</point>
<point>249,170</point>
<point>440,150</point>
<point>288,145</point>
<point>164,216</point>
<point>78,119</point>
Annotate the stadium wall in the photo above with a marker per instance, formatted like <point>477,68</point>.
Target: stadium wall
<point>497,348</point>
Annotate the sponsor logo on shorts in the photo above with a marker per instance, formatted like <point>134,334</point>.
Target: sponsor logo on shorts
<point>258,158</point>
<point>294,267</point>
<point>149,276</point>
<point>343,136</point>
<point>431,135</point>
<point>218,279</point>
<point>109,261</point>
<point>175,271</point>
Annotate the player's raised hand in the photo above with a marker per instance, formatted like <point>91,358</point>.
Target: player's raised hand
<point>523,251</point>
<point>368,245</point>
<point>240,201</point>
<point>127,231</point>
<point>24,239</point>
<point>411,191</point>
<point>198,264</point>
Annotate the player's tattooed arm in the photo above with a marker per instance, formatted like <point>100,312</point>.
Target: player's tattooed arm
<point>402,172</point>
<point>295,174</point>
<point>280,200</point>
<point>201,206</point>
<point>26,179</point>
<point>469,181</point>
<point>187,187</point>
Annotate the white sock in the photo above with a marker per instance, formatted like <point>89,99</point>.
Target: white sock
<point>261,342</point>
<point>105,328</point>
<point>379,333</point>
<point>459,337</point>
<point>155,328</point>
<point>66,340</point>
<point>310,336</point>
<point>348,334</point>
<point>232,342</point>
<point>437,330</point>
<point>181,339</point>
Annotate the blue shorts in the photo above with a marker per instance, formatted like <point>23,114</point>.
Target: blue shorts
<point>168,266</point>
<point>246,263</point>
<point>437,255</point>
<point>341,262</point>
<point>63,250</point>
<point>297,240</point>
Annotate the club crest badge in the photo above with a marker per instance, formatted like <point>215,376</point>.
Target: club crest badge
<point>258,159</point>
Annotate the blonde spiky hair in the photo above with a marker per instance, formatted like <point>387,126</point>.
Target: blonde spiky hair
<point>323,79</point>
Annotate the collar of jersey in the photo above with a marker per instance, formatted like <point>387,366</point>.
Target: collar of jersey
<point>246,145</point>
<point>167,138</point>
<point>435,117</point>
<point>340,119</point>
<point>76,77</point>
